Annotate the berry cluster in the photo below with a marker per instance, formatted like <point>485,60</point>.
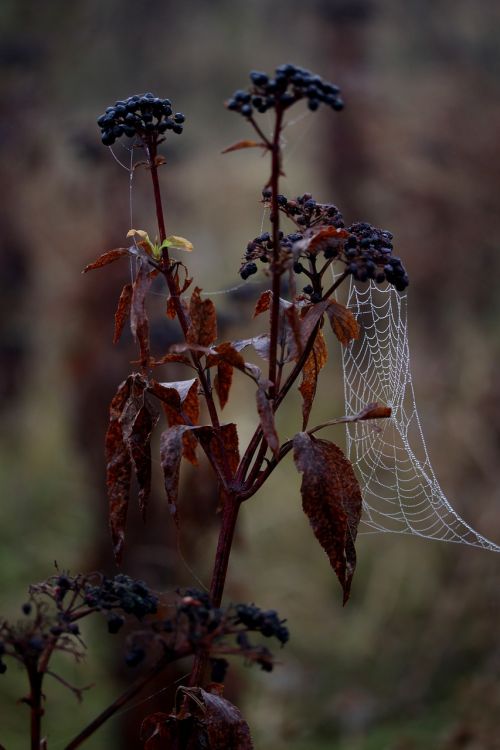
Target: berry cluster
<point>289,84</point>
<point>306,212</point>
<point>121,592</point>
<point>266,622</point>
<point>144,116</point>
<point>367,253</point>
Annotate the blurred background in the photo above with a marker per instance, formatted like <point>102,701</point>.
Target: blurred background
<point>413,661</point>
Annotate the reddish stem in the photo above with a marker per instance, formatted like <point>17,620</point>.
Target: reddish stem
<point>35,703</point>
<point>276,265</point>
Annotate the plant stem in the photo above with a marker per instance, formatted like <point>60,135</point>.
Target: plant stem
<point>35,703</point>
<point>226,535</point>
<point>276,265</point>
<point>173,287</point>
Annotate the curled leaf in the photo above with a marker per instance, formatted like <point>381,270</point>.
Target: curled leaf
<point>244,144</point>
<point>331,499</point>
<point>122,311</point>
<point>109,257</point>
<point>314,363</point>
<point>139,323</point>
<point>171,450</point>
<point>177,243</point>
<point>118,470</point>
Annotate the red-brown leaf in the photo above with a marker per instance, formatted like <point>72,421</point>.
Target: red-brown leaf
<point>244,144</point>
<point>374,411</point>
<point>109,257</point>
<point>171,311</point>
<point>263,303</point>
<point>122,311</point>
<point>181,359</point>
<point>181,406</point>
<point>325,235</point>
<point>314,363</point>
<point>266,416</point>
<point>203,326</point>
<point>139,323</point>
<point>171,450</point>
<point>218,724</point>
<point>222,442</point>
<point>118,470</point>
<point>138,421</point>
<point>343,323</point>
<point>331,499</point>
<point>222,382</point>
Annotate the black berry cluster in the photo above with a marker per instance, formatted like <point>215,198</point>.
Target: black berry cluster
<point>121,592</point>
<point>289,84</point>
<point>266,622</point>
<point>367,253</point>
<point>306,212</point>
<point>143,115</point>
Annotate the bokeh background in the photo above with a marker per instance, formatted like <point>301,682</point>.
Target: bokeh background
<point>413,661</point>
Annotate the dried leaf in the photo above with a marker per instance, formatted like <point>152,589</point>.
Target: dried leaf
<point>181,406</point>
<point>314,363</point>
<point>181,359</point>
<point>325,235</point>
<point>171,311</point>
<point>263,303</point>
<point>118,470</point>
<point>203,327</point>
<point>171,450</point>
<point>220,443</point>
<point>374,411</point>
<point>109,257</point>
<point>259,343</point>
<point>266,416</point>
<point>331,499</point>
<point>139,323</point>
<point>222,382</point>
<point>138,421</point>
<point>218,724</point>
<point>344,324</point>
<point>244,144</point>
<point>122,311</point>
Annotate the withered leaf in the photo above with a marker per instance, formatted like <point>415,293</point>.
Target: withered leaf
<point>139,323</point>
<point>343,323</point>
<point>122,311</point>
<point>118,470</point>
<point>226,352</point>
<point>266,416</point>
<point>331,499</point>
<point>263,303</point>
<point>138,420</point>
<point>171,311</point>
<point>181,359</point>
<point>244,144</point>
<point>222,382</point>
<point>219,724</point>
<point>259,343</point>
<point>220,443</point>
<point>181,406</point>
<point>109,257</point>
<point>326,234</point>
<point>171,450</point>
<point>203,326</point>
<point>314,363</point>
<point>374,411</point>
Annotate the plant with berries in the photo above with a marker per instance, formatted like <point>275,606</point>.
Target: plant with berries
<point>314,246</point>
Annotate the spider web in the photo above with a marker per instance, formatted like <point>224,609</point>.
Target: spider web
<point>401,493</point>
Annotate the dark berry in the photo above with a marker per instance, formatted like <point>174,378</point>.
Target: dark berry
<point>298,267</point>
<point>246,110</point>
<point>177,128</point>
<point>179,117</point>
<point>134,656</point>
<point>115,622</point>
<point>26,608</point>
<point>308,289</point>
<point>260,79</point>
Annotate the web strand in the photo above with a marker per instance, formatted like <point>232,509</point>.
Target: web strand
<point>401,493</point>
